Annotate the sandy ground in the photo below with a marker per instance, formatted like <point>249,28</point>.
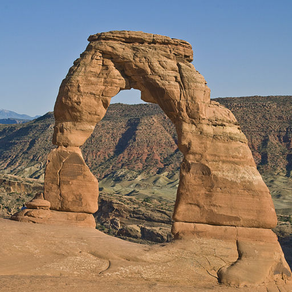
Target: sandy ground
<point>37,257</point>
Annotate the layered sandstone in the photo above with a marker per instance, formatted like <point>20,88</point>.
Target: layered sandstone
<point>69,184</point>
<point>38,211</point>
<point>219,183</point>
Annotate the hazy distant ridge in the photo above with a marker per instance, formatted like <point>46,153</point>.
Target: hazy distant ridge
<point>11,121</point>
<point>6,114</point>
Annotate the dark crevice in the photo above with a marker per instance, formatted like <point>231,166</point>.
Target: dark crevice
<point>128,135</point>
<point>289,165</point>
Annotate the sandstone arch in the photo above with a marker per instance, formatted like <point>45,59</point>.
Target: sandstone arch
<point>217,160</point>
<point>220,194</point>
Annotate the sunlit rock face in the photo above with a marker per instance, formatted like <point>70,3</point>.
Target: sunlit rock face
<point>219,182</point>
<point>221,194</point>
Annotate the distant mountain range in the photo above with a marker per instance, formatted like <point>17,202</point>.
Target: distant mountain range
<point>10,117</point>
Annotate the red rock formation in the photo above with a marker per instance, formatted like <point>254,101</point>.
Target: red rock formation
<point>69,184</point>
<point>217,160</point>
<point>219,183</point>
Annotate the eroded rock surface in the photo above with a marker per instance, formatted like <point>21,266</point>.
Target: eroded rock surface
<point>38,211</point>
<point>66,258</point>
<point>69,184</point>
<point>219,183</point>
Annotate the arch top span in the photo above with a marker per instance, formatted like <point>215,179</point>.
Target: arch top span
<point>158,66</point>
<point>179,47</point>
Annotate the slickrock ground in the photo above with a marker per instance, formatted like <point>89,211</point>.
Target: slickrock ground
<point>35,258</point>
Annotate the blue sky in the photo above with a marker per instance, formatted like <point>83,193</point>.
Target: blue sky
<point>242,47</point>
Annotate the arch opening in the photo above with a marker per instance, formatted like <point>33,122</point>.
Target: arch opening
<point>138,179</point>
<point>131,96</point>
